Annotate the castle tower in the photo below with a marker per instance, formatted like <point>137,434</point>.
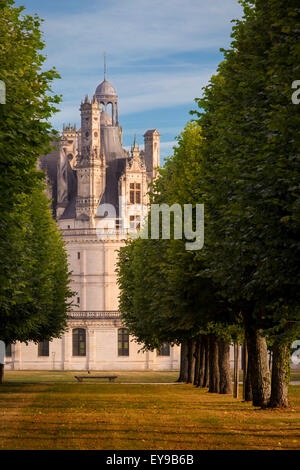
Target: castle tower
<point>90,164</point>
<point>152,152</point>
<point>67,152</point>
<point>91,169</point>
<point>111,132</point>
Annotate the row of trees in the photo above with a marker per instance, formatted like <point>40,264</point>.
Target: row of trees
<point>240,158</point>
<point>34,283</point>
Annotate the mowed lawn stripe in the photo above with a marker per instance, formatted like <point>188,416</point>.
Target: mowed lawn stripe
<point>99,416</point>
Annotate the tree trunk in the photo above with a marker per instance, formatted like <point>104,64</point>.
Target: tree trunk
<point>1,373</point>
<point>260,373</point>
<point>270,361</point>
<point>214,374</point>
<point>247,390</point>
<point>202,353</point>
<point>197,362</point>
<point>206,369</point>
<point>236,371</point>
<point>224,367</point>
<point>280,376</point>
<point>248,382</point>
<point>191,360</point>
<point>183,363</point>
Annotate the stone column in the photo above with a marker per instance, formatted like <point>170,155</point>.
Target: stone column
<point>117,116</point>
<point>113,114</point>
<point>17,356</point>
<point>91,349</point>
<point>171,358</point>
<point>151,359</point>
<point>83,281</point>
<point>67,349</point>
<point>147,360</point>
<point>104,276</point>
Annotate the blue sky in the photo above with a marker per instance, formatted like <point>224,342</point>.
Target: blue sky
<point>160,53</point>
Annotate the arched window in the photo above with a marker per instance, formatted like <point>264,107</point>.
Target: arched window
<point>164,350</point>
<point>110,111</point>
<point>123,342</point>
<point>8,352</point>
<point>79,342</point>
<point>43,348</point>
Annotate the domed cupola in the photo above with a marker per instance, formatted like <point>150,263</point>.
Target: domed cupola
<point>107,96</point>
<point>105,91</point>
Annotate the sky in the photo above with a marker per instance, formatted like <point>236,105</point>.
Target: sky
<point>160,53</point>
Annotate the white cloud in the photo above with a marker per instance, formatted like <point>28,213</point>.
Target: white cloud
<point>140,131</point>
<point>161,90</point>
<point>143,39</point>
<point>163,145</point>
<point>132,30</point>
<point>166,149</point>
<point>151,91</point>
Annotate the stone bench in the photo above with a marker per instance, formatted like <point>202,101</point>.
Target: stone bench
<point>80,378</point>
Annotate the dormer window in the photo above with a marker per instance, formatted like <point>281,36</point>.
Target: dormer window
<point>135,193</point>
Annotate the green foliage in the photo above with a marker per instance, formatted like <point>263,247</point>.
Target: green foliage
<point>34,291</point>
<point>164,293</point>
<point>34,288</point>
<point>251,159</point>
<point>241,159</point>
<point>179,178</point>
<point>25,130</point>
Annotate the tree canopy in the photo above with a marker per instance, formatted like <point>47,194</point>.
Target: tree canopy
<point>34,285</point>
<point>240,158</point>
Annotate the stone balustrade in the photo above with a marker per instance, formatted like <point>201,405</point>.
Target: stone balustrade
<point>108,314</point>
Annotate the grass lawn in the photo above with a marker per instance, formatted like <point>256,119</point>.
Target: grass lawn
<point>62,415</point>
<point>295,375</point>
<point>62,376</point>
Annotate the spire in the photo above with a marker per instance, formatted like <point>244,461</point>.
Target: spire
<point>135,146</point>
<point>104,54</point>
<point>135,151</point>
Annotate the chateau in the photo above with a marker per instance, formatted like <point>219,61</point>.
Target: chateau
<point>99,196</point>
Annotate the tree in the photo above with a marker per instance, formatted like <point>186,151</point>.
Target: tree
<point>165,294</point>
<point>251,160</point>
<point>34,288</point>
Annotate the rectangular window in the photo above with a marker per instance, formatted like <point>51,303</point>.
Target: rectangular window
<point>123,342</point>
<point>131,221</point>
<point>43,348</point>
<point>78,300</point>
<point>8,352</point>
<point>78,255</point>
<point>138,193</point>
<point>164,350</point>
<point>134,222</point>
<point>79,342</point>
<point>135,193</point>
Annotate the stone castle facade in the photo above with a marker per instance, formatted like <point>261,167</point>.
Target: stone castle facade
<point>99,195</point>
